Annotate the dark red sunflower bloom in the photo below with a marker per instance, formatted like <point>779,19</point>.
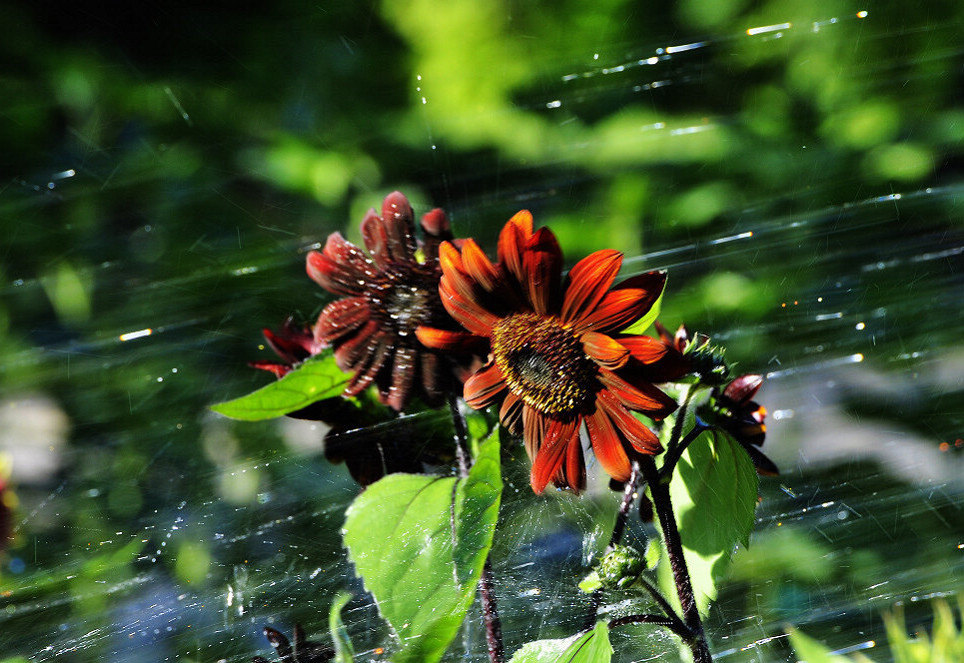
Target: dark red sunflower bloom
<point>387,295</point>
<point>737,413</point>
<point>556,359</point>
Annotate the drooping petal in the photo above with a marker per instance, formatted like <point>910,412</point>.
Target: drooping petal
<point>604,350</point>
<point>466,311</point>
<point>485,387</point>
<point>450,342</point>
<point>511,413</point>
<point>640,436</point>
<point>587,283</point>
<point>551,455</point>
<point>348,353</point>
<point>341,317</point>
<point>403,374</point>
<point>433,382</point>
<point>512,239</point>
<point>607,445</point>
<point>533,430</point>
<point>399,226</point>
<point>646,349</point>
<point>764,466</point>
<point>641,396</point>
<point>542,262</point>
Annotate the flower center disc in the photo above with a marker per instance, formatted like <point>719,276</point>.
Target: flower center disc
<point>406,298</point>
<point>543,363</point>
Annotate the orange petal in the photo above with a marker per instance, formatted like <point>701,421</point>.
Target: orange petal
<point>644,348</point>
<point>642,396</point>
<point>551,455</point>
<point>640,436</point>
<point>604,350</point>
<point>512,239</point>
<point>588,281</point>
<point>466,311</point>
<point>485,387</point>
<point>478,265</point>
<point>446,341</point>
<point>607,446</point>
<point>542,264</point>
<point>575,466</point>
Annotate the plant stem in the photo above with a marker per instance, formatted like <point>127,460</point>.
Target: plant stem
<point>659,490</point>
<point>674,453</point>
<point>490,611</point>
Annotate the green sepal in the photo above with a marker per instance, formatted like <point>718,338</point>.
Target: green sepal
<point>314,380</point>
<point>645,322</point>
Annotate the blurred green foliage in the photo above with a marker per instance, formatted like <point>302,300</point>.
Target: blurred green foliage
<point>164,167</point>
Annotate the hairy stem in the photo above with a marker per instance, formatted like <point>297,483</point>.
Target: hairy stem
<point>490,611</point>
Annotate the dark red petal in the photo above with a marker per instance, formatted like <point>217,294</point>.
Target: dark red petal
<point>588,281</point>
<point>607,445</point>
<point>350,351</point>
<point>376,238</point>
<point>484,388</point>
<point>644,348</point>
<point>511,413</point>
<point>436,224</point>
<point>478,266</point>
<point>743,388</point>
<point>403,374</point>
<point>575,466</point>
<point>542,262</point>
<point>548,461</point>
<point>640,396</point>
<point>512,239</point>
<point>533,430</point>
<point>278,641</point>
<point>431,377</point>
<point>333,276</point>
<point>399,226</point>
<point>279,370</point>
<point>466,311</point>
<point>640,436</point>
<point>625,304</point>
<point>341,317</point>
<point>368,365</point>
<point>604,350</point>
<point>345,253</point>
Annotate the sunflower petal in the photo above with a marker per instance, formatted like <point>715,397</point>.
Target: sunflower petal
<point>743,388</point>
<point>640,436</point>
<point>642,396</point>
<point>403,374</point>
<point>533,430</point>
<point>341,317</point>
<point>465,310</point>
<point>338,278</point>
<point>511,413</point>
<point>588,281</point>
<point>604,350</point>
<point>625,304</point>
<point>646,349</point>
<point>512,239</point>
<point>399,222</point>
<point>607,445</point>
<point>478,266</point>
<point>542,263</point>
<point>550,457</point>
<point>376,238</point>
<point>449,342</point>
<point>366,370</point>
<point>575,467</point>
<point>351,350</point>
<point>484,388</point>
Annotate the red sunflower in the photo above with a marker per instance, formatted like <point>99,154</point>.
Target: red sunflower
<point>556,358</point>
<point>387,295</point>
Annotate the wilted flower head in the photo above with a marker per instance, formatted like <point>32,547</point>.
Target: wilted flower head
<point>292,343</point>
<point>557,360</point>
<point>386,296</point>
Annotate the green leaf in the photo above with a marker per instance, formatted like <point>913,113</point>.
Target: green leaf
<point>314,380</point>
<point>641,325</point>
<point>419,543</point>
<point>590,647</point>
<point>811,651</point>
<point>344,652</point>
<point>714,494</point>
<point>590,583</point>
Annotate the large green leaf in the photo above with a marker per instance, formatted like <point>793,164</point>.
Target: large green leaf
<point>590,647</point>
<point>714,494</point>
<point>419,543</point>
<point>312,381</point>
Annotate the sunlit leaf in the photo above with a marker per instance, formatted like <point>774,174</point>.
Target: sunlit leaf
<point>419,543</point>
<point>590,647</point>
<point>344,652</point>
<point>644,323</point>
<point>811,651</point>
<point>314,380</point>
<point>714,494</point>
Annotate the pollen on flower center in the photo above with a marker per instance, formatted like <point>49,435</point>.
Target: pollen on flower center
<point>405,298</point>
<point>543,363</point>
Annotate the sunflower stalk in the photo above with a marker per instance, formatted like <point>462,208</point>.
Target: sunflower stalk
<point>490,611</point>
